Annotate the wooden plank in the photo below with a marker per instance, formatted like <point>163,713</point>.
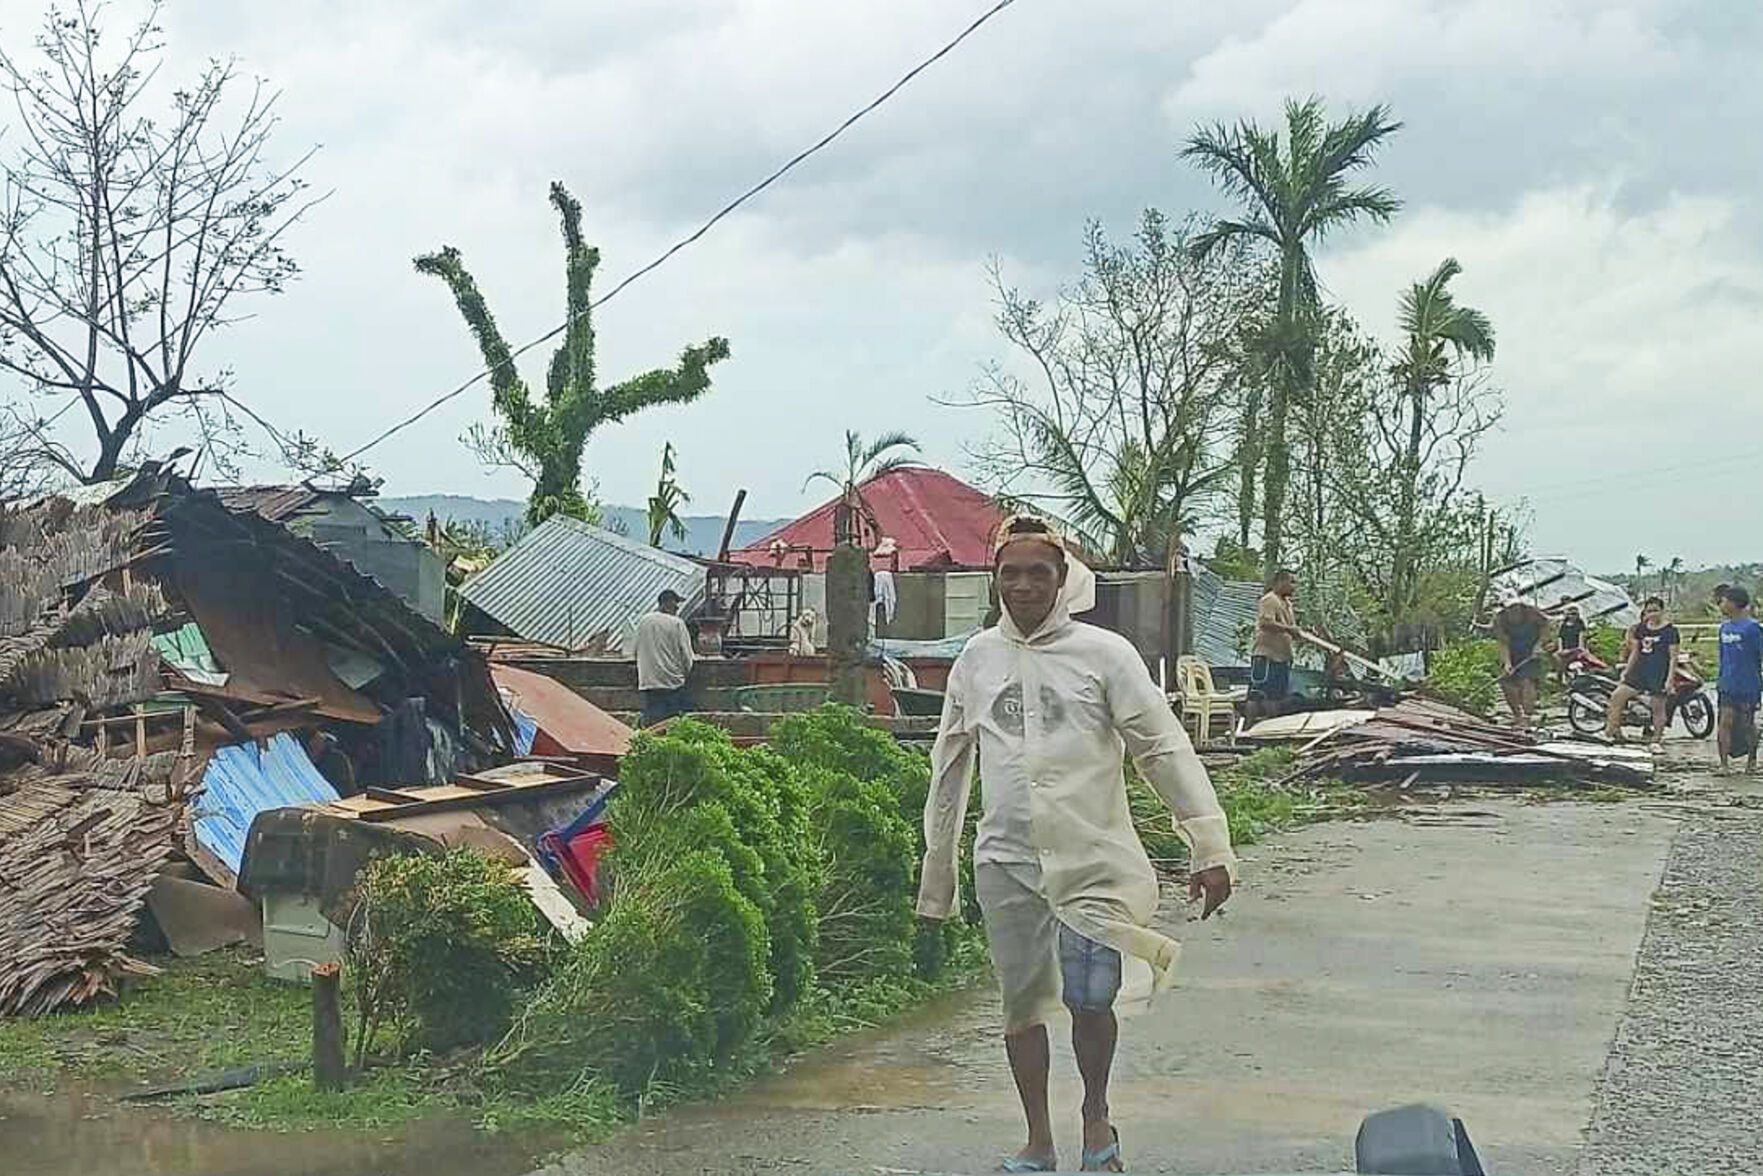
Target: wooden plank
<point>480,783</point>
<point>390,796</point>
<point>469,798</point>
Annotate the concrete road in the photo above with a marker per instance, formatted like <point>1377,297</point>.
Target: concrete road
<point>1478,955</point>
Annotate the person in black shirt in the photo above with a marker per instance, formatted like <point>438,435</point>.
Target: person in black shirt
<point>1652,648</point>
<point>1569,640</point>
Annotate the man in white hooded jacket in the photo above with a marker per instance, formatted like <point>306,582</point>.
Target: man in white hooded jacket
<point>1049,705</point>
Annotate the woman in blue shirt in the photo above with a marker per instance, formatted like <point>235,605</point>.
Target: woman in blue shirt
<point>1741,678</point>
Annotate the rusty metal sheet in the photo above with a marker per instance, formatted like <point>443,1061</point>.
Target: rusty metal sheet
<point>575,725</point>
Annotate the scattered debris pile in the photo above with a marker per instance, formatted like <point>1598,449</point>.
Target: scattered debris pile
<point>1425,740</point>
<point>155,639</point>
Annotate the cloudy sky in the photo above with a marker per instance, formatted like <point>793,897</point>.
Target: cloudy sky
<point>1594,164</point>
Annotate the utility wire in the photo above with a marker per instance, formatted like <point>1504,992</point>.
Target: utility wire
<point>683,242</point>
<point>1604,483</point>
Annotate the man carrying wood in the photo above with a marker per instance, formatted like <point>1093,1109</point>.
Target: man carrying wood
<point>1050,705</point>
<point>1270,657</point>
<point>1520,629</point>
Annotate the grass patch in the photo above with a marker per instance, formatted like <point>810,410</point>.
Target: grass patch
<point>212,1013</point>
<point>220,1011</point>
<point>384,1098</point>
<point>1252,805</point>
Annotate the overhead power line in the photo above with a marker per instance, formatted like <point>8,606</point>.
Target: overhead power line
<point>697,233</point>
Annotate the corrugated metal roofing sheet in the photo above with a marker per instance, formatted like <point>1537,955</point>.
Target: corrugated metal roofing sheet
<point>274,503</point>
<point>566,582</point>
<point>936,520</point>
<point>242,781</point>
<point>1549,581</point>
<point>1223,611</point>
<point>567,719</point>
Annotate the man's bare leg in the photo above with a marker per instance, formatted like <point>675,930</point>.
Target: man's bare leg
<point>1514,692</point>
<point>1658,703</point>
<point>1723,738</point>
<point>1093,1036</point>
<point>1029,1061</point>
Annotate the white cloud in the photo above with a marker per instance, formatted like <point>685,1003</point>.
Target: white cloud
<point>1359,51</point>
<point>1626,344</point>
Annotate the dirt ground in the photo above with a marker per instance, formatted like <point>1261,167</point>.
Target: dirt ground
<point>1478,955</point>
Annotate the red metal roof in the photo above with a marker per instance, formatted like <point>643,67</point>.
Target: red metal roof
<point>937,521</point>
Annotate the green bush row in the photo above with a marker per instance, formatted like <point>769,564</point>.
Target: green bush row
<point>754,893</point>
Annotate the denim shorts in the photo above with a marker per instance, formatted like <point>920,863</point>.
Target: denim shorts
<point>1040,962</point>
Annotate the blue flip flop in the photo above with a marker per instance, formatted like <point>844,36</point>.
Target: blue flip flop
<point>1099,1161</point>
<point>1020,1164</point>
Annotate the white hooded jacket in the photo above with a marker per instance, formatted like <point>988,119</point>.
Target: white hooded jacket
<point>1050,716</point>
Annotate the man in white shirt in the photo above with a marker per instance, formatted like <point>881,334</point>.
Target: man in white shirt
<point>1050,705</point>
<point>664,660</point>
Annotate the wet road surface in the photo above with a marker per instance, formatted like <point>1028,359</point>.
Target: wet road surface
<point>1478,956</point>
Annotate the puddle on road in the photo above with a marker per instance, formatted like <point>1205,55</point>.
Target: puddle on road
<point>83,1135</point>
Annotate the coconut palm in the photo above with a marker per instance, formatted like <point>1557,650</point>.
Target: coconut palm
<point>1294,192</point>
<point>864,462</point>
<point>1438,334</point>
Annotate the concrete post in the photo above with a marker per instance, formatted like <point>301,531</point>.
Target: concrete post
<point>847,622</point>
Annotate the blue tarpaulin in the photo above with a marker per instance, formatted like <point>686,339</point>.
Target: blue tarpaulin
<point>244,780</point>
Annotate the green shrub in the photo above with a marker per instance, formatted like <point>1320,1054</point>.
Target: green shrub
<point>1466,674</point>
<point>669,987</point>
<point>868,892</point>
<point>694,765</point>
<point>836,738</point>
<point>439,947</point>
<point>1606,642</point>
<point>754,894</point>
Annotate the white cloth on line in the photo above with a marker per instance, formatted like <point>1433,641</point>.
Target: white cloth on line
<point>887,597</point>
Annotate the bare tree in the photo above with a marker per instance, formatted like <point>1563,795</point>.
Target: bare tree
<point>1124,423</point>
<point>125,240</point>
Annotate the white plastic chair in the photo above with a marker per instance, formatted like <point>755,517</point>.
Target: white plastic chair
<point>1201,700</point>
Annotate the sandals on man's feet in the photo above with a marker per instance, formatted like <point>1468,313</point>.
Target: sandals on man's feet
<point>1020,1164</point>
<point>1106,1160</point>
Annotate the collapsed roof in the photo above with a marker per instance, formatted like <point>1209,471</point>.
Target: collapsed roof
<point>143,625</point>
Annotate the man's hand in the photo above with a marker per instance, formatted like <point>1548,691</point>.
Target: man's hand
<point>1214,884</point>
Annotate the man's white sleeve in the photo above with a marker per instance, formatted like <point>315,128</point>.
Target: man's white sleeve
<point>1165,757</point>
<point>945,807</point>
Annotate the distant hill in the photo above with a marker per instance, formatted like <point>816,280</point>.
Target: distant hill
<point>703,532</point>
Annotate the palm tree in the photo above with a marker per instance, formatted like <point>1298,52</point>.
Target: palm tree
<point>1294,193</point>
<point>1438,334</point>
<point>664,504</point>
<point>864,462</point>
<point>1672,574</point>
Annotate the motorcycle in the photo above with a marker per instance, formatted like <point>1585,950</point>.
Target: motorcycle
<point>1593,681</point>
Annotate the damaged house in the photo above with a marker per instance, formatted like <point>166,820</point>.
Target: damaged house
<point>155,637</point>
